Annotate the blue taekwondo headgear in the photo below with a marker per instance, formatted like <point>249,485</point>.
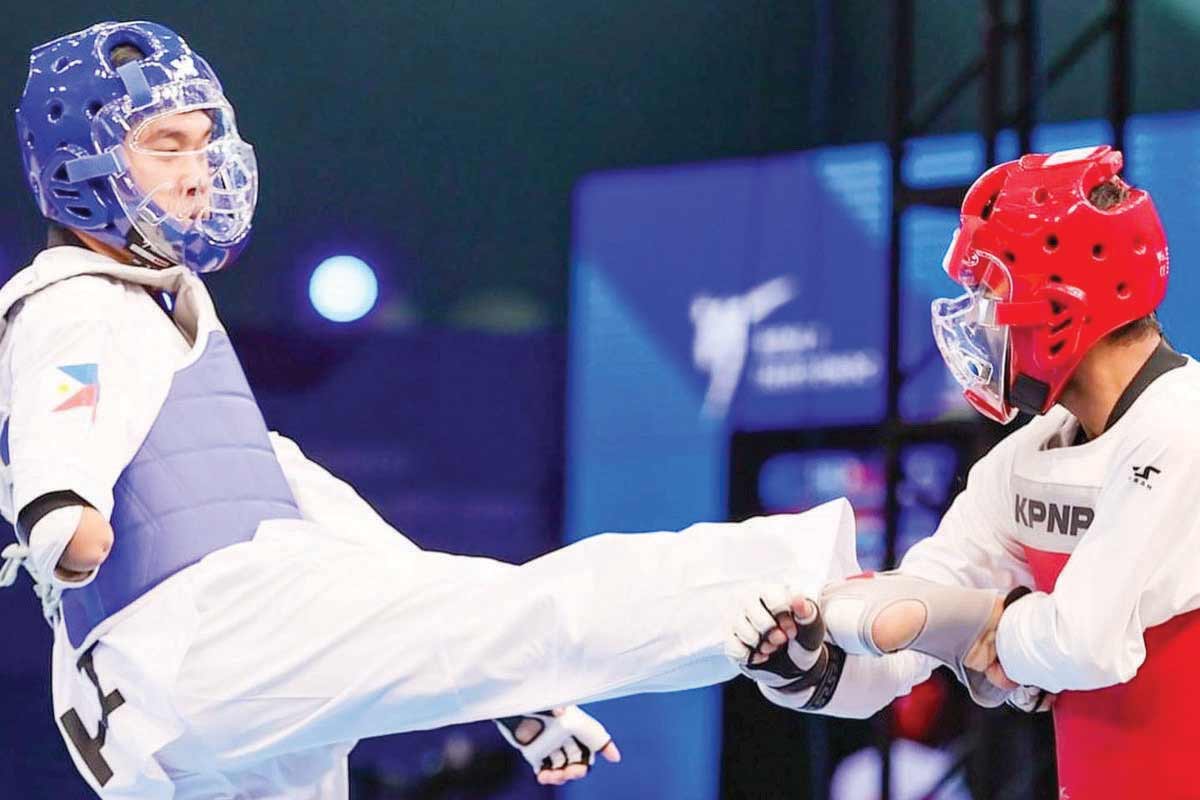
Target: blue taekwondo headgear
<point>79,119</point>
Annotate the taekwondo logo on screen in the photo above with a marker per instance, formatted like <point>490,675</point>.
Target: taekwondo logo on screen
<point>784,357</point>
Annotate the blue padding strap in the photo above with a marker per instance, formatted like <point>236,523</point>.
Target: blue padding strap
<point>136,85</point>
<point>97,166</point>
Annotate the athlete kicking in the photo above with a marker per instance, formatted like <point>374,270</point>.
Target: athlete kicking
<point>1091,504</point>
<point>228,617</point>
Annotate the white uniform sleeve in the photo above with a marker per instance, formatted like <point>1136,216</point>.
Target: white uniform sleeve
<point>968,548</point>
<point>1137,566</point>
<point>331,502</point>
<point>75,393</point>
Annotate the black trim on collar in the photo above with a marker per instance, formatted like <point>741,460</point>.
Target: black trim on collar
<point>1160,362</point>
<point>1081,437</point>
<point>58,236</point>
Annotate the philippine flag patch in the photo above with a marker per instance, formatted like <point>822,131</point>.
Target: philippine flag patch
<point>81,387</point>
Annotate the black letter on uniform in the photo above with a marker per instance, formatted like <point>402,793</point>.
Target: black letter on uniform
<point>1058,518</point>
<point>87,746</point>
<point>1021,511</point>
<point>1081,519</point>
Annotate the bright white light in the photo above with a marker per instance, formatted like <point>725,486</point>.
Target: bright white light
<point>343,288</point>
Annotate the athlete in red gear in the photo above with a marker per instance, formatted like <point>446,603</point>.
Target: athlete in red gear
<point>1092,505</point>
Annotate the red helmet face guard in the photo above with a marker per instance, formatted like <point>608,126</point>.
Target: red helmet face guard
<point>1046,274</point>
<point>972,343</point>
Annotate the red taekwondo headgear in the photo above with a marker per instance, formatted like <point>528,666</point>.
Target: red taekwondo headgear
<point>1047,274</point>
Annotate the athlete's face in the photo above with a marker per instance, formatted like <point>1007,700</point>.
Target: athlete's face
<point>167,160</point>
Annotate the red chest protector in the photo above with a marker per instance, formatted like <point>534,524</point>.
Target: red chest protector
<point>1136,739</point>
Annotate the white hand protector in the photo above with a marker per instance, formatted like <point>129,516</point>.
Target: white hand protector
<point>1031,699</point>
<point>806,667</point>
<point>955,618</point>
<point>555,739</point>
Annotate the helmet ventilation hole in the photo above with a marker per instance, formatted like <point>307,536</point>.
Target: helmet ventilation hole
<point>92,109</point>
<point>61,64</point>
<point>1139,245</point>
<point>1040,195</point>
<point>1056,348</point>
<point>1056,307</point>
<point>1123,290</point>
<point>987,207</point>
<point>1060,326</point>
<point>1051,243</point>
<point>83,212</point>
<point>1098,251</point>
<point>1010,257</point>
<point>54,111</point>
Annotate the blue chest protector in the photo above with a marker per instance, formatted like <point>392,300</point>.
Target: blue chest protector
<point>203,479</point>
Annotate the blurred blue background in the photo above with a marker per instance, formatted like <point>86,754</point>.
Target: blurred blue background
<point>560,204</point>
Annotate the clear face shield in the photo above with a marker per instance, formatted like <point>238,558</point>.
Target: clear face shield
<point>973,345</point>
<point>189,183</point>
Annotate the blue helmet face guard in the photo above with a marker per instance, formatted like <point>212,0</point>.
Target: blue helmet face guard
<point>93,162</point>
<point>187,202</point>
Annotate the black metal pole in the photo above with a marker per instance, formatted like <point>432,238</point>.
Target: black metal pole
<point>902,95</point>
<point>902,101</point>
<point>1120,40</point>
<point>991,95</point>
<point>1029,91</point>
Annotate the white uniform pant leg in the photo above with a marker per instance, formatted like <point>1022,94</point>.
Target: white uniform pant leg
<point>306,639</point>
<point>319,774</point>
